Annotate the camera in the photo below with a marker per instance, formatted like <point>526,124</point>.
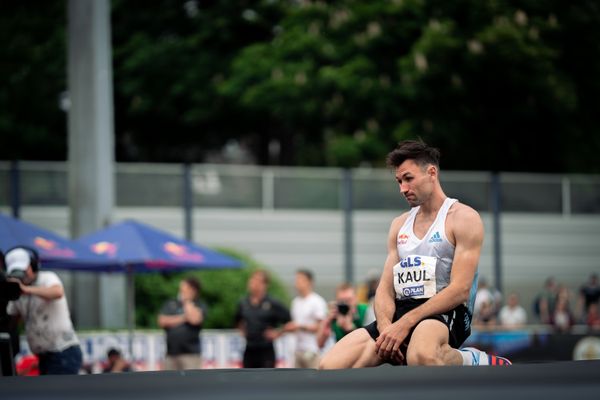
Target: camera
<point>17,274</point>
<point>8,290</point>
<point>343,308</point>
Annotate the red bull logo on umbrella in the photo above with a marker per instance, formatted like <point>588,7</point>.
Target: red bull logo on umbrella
<point>105,248</point>
<point>181,252</point>
<point>51,248</point>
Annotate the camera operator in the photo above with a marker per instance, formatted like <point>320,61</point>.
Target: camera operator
<point>345,315</point>
<point>43,308</point>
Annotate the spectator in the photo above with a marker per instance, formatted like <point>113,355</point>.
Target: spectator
<point>562,318</point>
<point>366,291</point>
<point>543,306</point>
<point>258,317</point>
<point>589,294</point>
<point>487,297</point>
<point>308,310</point>
<point>44,309</point>
<point>512,315</point>
<point>182,320</point>
<point>115,362</point>
<point>486,317</point>
<point>345,315</point>
<point>593,317</point>
<point>366,294</point>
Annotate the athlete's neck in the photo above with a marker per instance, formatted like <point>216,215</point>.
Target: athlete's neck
<point>431,207</point>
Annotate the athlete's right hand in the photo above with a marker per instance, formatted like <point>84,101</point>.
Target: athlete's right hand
<point>390,340</point>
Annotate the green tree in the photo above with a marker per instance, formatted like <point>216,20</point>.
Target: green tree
<point>496,85</point>
<point>33,76</point>
<point>169,56</point>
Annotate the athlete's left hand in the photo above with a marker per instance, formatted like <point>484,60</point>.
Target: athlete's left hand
<point>389,341</point>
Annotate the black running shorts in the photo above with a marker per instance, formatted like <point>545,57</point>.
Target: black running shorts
<point>457,320</point>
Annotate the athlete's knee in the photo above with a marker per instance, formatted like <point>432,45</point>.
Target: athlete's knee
<point>326,362</point>
<point>423,356</point>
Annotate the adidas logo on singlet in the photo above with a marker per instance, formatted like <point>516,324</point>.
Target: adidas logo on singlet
<point>436,238</point>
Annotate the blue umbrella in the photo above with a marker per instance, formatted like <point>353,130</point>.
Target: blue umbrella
<point>55,251</point>
<point>142,248</point>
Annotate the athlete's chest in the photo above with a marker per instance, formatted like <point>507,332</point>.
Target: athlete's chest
<point>421,226</point>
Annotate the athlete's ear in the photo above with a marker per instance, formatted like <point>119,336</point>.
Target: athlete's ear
<point>432,171</point>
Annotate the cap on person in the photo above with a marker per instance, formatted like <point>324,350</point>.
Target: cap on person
<point>17,262</point>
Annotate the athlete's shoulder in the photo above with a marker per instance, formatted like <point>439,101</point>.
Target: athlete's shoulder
<point>460,211</point>
<point>464,222</point>
<point>400,220</point>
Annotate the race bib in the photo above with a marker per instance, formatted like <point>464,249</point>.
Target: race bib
<point>414,277</point>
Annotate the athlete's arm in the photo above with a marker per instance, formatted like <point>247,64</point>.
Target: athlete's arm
<point>384,304</point>
<point>467,228</point>
<point>468,234</point>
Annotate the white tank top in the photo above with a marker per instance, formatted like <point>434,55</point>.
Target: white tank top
<point>425,264</point>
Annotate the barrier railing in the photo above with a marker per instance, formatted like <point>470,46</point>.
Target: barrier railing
<point>248,186</point>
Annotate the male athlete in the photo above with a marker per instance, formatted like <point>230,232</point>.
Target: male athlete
<point>423,304</point>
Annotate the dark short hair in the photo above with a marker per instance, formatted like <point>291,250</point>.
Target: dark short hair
<point>415,150</point>
<point>194,283</point>
<point>113,352</point>
<point>308,274</point>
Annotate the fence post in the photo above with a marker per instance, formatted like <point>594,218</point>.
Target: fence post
<point>187,201</point>
<point>15,189</point>
<point>496,214</point>
<point>268,189</point>
<point>566,196</point>
<point>347,205</point>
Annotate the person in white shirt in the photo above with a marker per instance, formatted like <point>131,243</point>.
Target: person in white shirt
<point>512,315</point>
<point>308,310</point>
<point>43,308</point>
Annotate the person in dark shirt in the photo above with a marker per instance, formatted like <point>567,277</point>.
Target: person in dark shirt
<point>258,318</point>
<point>182,320</point>
<point>589,294</point>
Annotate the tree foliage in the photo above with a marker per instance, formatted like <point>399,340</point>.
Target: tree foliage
<point>496,85</point>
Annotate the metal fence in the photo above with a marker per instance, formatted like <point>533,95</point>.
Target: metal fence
<point>248,186</point>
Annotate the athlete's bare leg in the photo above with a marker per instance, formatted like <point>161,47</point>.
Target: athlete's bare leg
<point>355,350</point>
<point>429,345</point>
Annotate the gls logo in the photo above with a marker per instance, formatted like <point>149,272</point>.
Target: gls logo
<point>409,262</point>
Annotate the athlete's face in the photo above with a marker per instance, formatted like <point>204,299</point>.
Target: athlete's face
<point>416,182</point>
